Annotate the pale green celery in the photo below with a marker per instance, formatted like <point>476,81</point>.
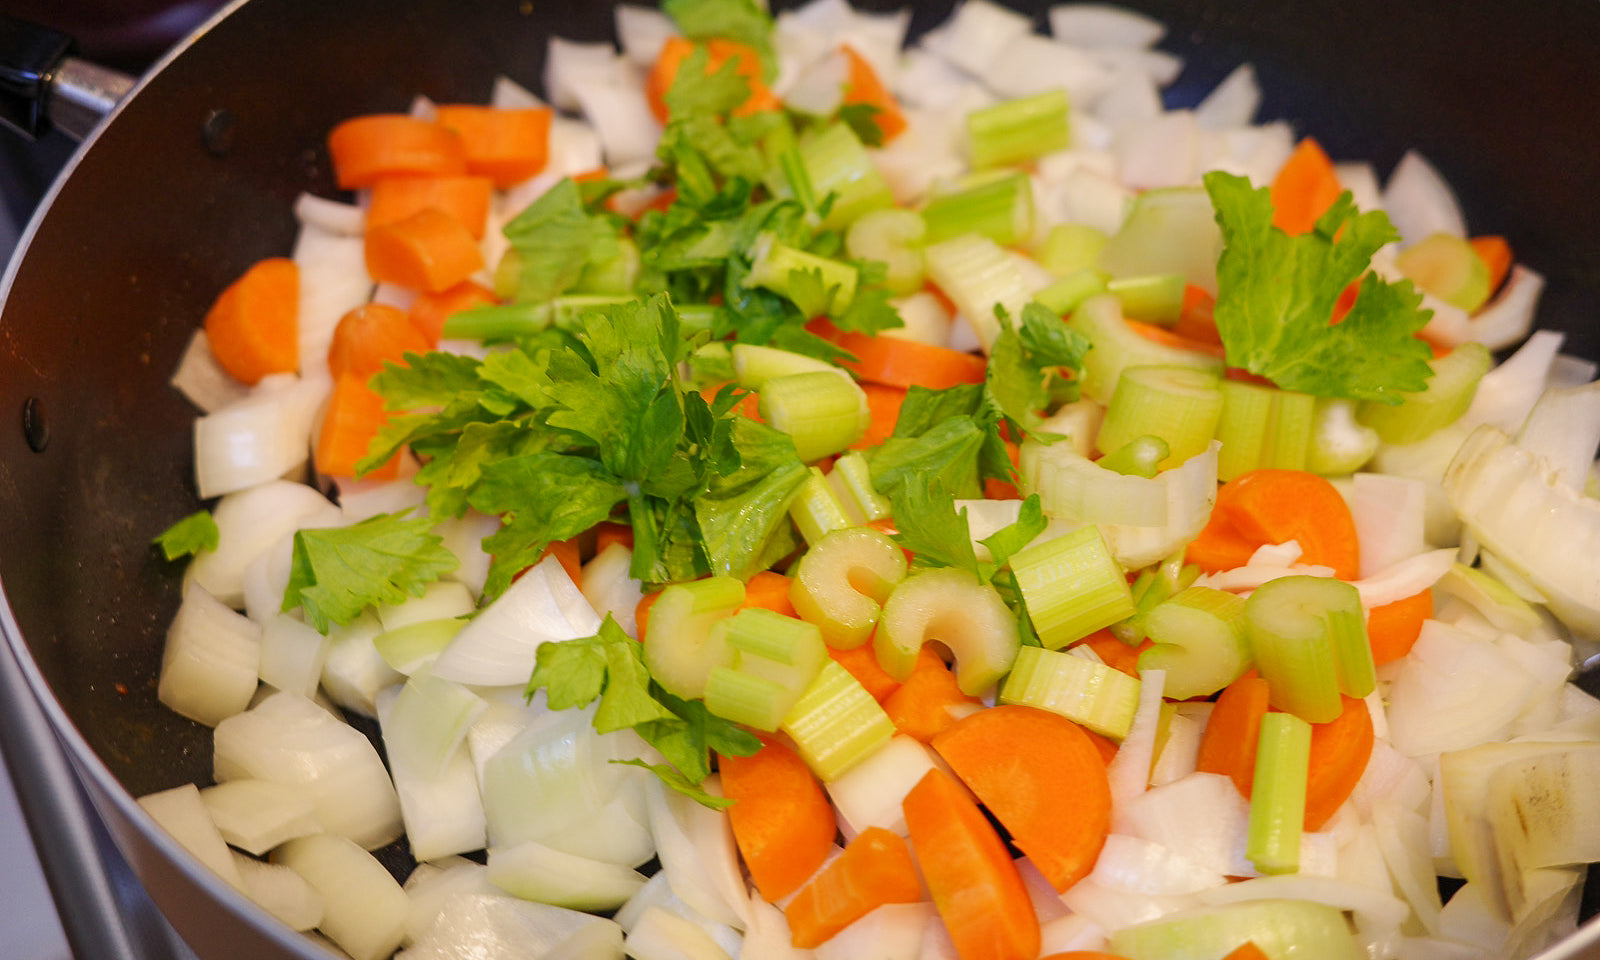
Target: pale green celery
<point>823,411</point>
<point>1000,208</point>
<point>512,320</point>
<point>1139,457</point>
<point>1153,297</point>
<point>1072,586</point>
<point>680,647</point>
<point>1169,230</point>
<point>1263,426</point>
<point>615,275</point>
<point>754,365</point>
<point>1199,641</point>
<point>953,608</point>
<point>775,659</point>
<point>1117,347</point>
<point>793,167</point>
<point>1289,437</point>
<point>1018,130</point>
<point>851,479</point>
<point>976,274</point>
<point>841,582</point>
<point>1282,928</point>
<point>1309,642</point>
<point>711,366</point>
<point>409,647</point>
<point>819,286</point>
<point>1339,444</point>
<point>893,237</point>
<point>816,510</point>
<point>1278,793</point>
<point>836,162</point>
<point>836,724</point>
<point>1084,691</point>
<point>753,701</point>
<point>1068,293</point>
<point>1154,586</point>
<point>1448,395</point>
<point>1447,267</point>
<point>1069,248</point>
<point>695,316</point>
<point>1498,603</point>
<point>1181,405</point>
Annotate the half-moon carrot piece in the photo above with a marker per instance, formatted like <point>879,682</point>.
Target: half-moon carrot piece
<point>429,250</point>
<point>369,336</point>
<point>782,821</point>
<point>1228,743</point>
<point>352,418</point>
<point>253,326</point>
<point>876,868</point>
<point>1393,628</point>
<point>1340,750</point>
<point>1305,187</point>
<point>464,197</point>
<point>507,146</point>
<point>384,144</point>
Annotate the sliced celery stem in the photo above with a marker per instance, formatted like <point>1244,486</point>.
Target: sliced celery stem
<point>1153,298</point>
<point>1289,440</point>
<point>817,285</point>
<point>823,411</point>
<point>841,582</point>
<point>512,320</point>
<point>1084,691</point>
<point>999,208</point>
<point>1070,248</point>
<point>755,365</point>
<point>680,647</point>
<point>1117,347</point>
<point>1139,457</point>
<point>952,607</point>
<point>1339,444</point>
<point>1068,293</point>
<point>1448,395</point>
<point>1309,642</point>
<point>775,659</point>
<point>817,510</point>
<point>1154,586</point>
<point>793,166</point>
<point>1263,426</point>
<point>851,479</point>
<point>1181,405</point>
<point>836,724</point>
<point>1072,586</point>
<point>1278,793</point>
<point>1018,130</point>
<point>837,163</point>
<point>894,237</point>
<point>1199,641</point>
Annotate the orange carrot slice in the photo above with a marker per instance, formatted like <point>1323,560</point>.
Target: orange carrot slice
<point>429,250</point>
<point>464,197</point>
<point>1271,506</point>
<point>1305,187</point>
<point>430,310</point>
<point>906,363</point>
<point>782,821</point>
<point>1228,743</point>
<point>253,326</point>
<point>381,145</point>
<point>353,417</point>
<point>864,87</point>
<point>370,336</point>
<point>862,664</point>
<point>1393,628</point>
<point>507,146</point>
<point>747,63</point>
<point>1340,750</point>
<point>876,868</point>
<point>929,701</point>
<point>1495,253</point>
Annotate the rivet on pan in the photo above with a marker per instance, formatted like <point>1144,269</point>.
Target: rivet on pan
<point>35,428</point>
<point>217,132</point>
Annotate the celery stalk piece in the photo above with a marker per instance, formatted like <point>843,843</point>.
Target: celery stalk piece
<point>680,647</point>
<point>1278,793</point>
<point>1117,346</point>
<point>819,286</point>
<point>1282,928</point>
<point>1018,130</point>
<point>851,480</point>
<point>836,162</point>
<point>1289,435</point>
<point>817,509</point>
<point>613,276</point>
<point>1170,230</point>
<point>1448,395</point>
<point>1139,457</point>
<point>1199,641</point>
<point>775,659</point>
<point>754,365</point>
<point>1181,405</point>
<point>1069,292</point>
<point>1447,267</point>
<point>1339,444</point>
<point>954,608</point>
<point>841,583</point>
<point>1084,691</point>
<point>1000,208</point>
<point>511,320</point>
<point>822,411</point>
<point>1070,248</point>
<point>836,724</point>
<point>753,701</point>
<point>976,273</point>
<point>893,237</point>
<point>1152,297</point>
<point>1309,640</point>
<point>1072,586</point>
<point>1242,426</point>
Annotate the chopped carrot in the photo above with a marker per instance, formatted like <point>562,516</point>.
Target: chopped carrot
<point>782,821</point>
<point>746,62</point>
<point>382,145</point>
<point>464,197</point>
<point>1106,746</point>
<point>1340,750</point>
<point>876,868</point>
<point>1228,743</point>
<point>862,664</point>
<point>1055,800</point>
<point>976,887</point>
<point>430,311</point>
<point>1197,320</point>
<point>608,532</point>
<point>253,327</point>
<point>566,554</point>
<point>1272,506</point>
<point>883,408</point>
<point>371,335</point>
<point>1305,187</point>
<point>1247,951</point>
<point>929,701</point>
<point>1113,652</point>
<point>641,613</point>
<point>1002,489</point>
<point>895,362</point>
<point>507,146</point>
<point>1495,253</point>
<point>865,88</point>
<point>429,250</point>
<point>354,414</point>
<point>1393,628</point>
<point>769,589</point>
<point>1083,955</point>
<point>1171,338</point>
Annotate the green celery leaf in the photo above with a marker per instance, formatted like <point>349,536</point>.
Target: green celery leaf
<point>870,311</point>
<point>686,741</point>
<point>608,665</point>
<point>191,535</point>
<point>1025,359</point>
<point>1011,538</point>
<point>746,21</point>
<point>863,119</point>
<point>949,451</point>
<point>740,513</point>
<point>677,781</point>
<point>556,238</point>
<point>337,573</point>
<point>545,497</point>
<point>429,380</point>
<point>928,525</point>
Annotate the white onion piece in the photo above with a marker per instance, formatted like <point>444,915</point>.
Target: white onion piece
<point>1507,393</point>
<point>257,815</point>
<point>1073,487</point>
<point>1030,64</point>
<point>657,894</point>
<point>1549,663</point>
<point>1191,489</point>
<point>1111,910</point>
<point>893,931</point>
<point>1563,430</point>
<point>1180,750</point>
<point>570,66</point>
<point>1406,578</point>
<point>924,155</point>
<point>440,600</point>
<point>818,88</point>
<point>394,295</point>
<point>257,439</point>
<point>869,793</point>
<point>1070,932</point>
<point>926,319</point>
<point>475,926</point>
<point>1509,316</point>
<point>430,887</point>
<point>202,380</point>
<point>249,522</point>
<point>1046,901</point>
<point>292,655</point>
<point>333,281</point>
<point>928,81</point>
<point>1200,817</point>
<point>658,935</point>
<point>1361,179</point>
<point>332,216</point>
<point>621,115</point>
<point>1453,691</point>
<point>1380,911</point>
<point>280,891</point>
<point>642,32</point>
<point>1104,25</point>
<point>1389,514</point>
<point>1231,103</point>
<point>798,45</point>
<point>533,871</point>
<point>507,94</point>
<point>975,34</point>
<point>1131,96</point>
<point>361,499</point>
<point>1158,151</point>
<point>1391,777</point>
<point>499,647</point>
<point>508,714</point>
<point>1402,836</point>
<point>426,722</point>
<point>1129,770</point>
<point>1468,918</point>
<point>697,851</point>
<point>210,661</point>
<point>574,148</point>
<point>610,590</point>
<point>288,739</point>
<point>768,936</point>
<point>354,671</point>
<point>266,578</point>
<point>1146,867</point>
<point>363,908</point>
<point>463,536</point>
<point>182,813</point>
<point>1419,201</point>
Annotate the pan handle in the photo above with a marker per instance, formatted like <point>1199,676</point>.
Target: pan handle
<point>43,86</point>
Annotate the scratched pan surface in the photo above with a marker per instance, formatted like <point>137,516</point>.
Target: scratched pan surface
<point>193,179</point>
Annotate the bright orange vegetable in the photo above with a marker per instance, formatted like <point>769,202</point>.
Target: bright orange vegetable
<point>906,363</point>
<point>1305,187</point>
<point>1340,750</point>
<point>430,310</point>
<point>1393,628</point>
<point>1053,797</point>
<point>746,62</point>
<point>883,407</point>
<point>464,197</point>
<point>929,701</point>
<point>782,821</point>
<point>606,533</point>
<point>253,327</point>
<point>641,613</point>
<point>1197,320</point>
<point>862,664</point>
<point>1276,506</point>
<point>383,145</point>
<point>507,146</point>
<point>876,868</point>
<point>429,250</point>
<point>1495,253</point>
<point>769,589</point>
<point>566,554</point>
<point>1113,652</point>
<point>865,87</point>
<point>353,417</point>
<point>1172,338</point>
<point>1228,743</point>
<point>1247,951</point>
<point>371,335</point>
<point>975,885</point>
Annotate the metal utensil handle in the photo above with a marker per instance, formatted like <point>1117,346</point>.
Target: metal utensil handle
<point>42,86</point>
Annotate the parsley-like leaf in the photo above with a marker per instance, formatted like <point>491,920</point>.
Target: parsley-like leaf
<point>336,573</point>
<point>746,21</point>
<point>929,526</point>
<point>1011,538</point>
<point>608,665</point>
<point>686,740</point>
<point>1276,295</point>
<point>191,535</point>
<point>682,784</point>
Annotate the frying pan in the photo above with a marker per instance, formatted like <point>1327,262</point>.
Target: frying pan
<point>192,178</point>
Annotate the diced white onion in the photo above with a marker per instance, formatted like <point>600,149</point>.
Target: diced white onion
<point>476,926</point>
<point>182,814</point>
<point>363,908</point>
<point>281,892</point>
<point>1104,25</point>
<point>201,378</point>
<point>1143,866</point>
<point>1453,691</point>
<point>609,588</point>
<point>210,661</point>
<point>507,94</point>
<point>1028,64</point>
<point>1129,770</point>
<point>695,844</point>
<point>1158,151</point>
<point>1563,430</point>
<point>621,116</point>
<point>1231,103</point>
<point>893,931</point>
<point>500,645</point>
<point>249,522</point>
<point>354,671</point>
<point>292,655</point>
<point>642,32</point>
<point>975,34</point>
<point>1419,201</point>
<point>533,871</point>
<point>1389,513</point>
<point>333,281</point>
<point>257,439</point>
<point>257,815</point>
<point>570,66</point>
<point>1410,576</point>
<point>869,793</point>
<point>1201,817</point>
<point>332,216</point>
<point>658,935</point>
